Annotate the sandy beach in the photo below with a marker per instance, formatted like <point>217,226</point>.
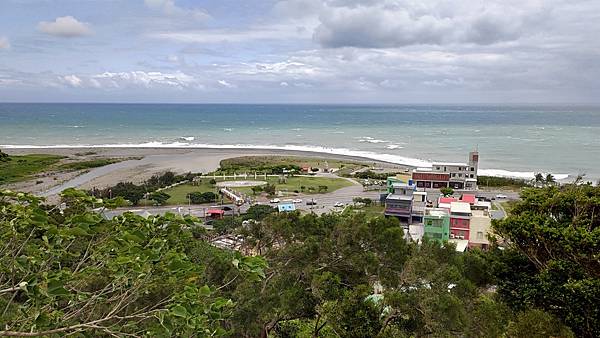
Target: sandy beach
<point>150,161</point>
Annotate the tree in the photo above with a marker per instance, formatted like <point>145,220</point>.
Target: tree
<point>537,324</point>
<point>550,180</point>
<point>129,191</point>
<point>212,181</point>
<point>159,198</point>
<point>78,273</point>
<point>447,191</point>
<point>553,235</point>
<point>539,179</point>
<point>202,197</point>
<point>269,189</point>
<point>4,156</point>
<point>256,189</point>
<point>260,211</point>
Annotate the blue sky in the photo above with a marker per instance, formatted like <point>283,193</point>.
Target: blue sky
<point>330,51</point>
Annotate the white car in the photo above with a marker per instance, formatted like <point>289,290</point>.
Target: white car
<point>339,205</point>
<point>501,196</point>
<point>297,200</point>
<point>275,200</point>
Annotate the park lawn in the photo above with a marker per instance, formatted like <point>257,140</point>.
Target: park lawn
<point>296,183</point>
<point>21,168</point>
<point>179,193</point>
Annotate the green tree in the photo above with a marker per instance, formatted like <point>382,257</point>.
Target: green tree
<point>77,273</point>
<point>202,197</point>
<point>4,156</point>
<point>537,324</point>
<point>550,180</point>
<point>447,191</point>
<point>551,262</point>
<point>160,198</point>
<point>260,211</point>
<point>539,179</point>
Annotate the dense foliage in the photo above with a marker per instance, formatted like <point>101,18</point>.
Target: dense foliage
<point>257,164</point>
<point>336,275</point>
<point>202,197</point>
<point>553,261</point>
<point>493,181</point>
<point>134,193</point>
<point>369,174</point>
<point>72,271</point>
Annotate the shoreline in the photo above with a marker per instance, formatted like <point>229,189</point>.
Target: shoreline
<point>294,150</point>
<point>157,160</point>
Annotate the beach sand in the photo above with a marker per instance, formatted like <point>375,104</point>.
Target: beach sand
<point>152,161</point>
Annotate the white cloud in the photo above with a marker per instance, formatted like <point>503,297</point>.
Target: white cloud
<point>226,84</point>
<point>4,43</point>
<point>264,32</point>
<point>144,79</point>
<point>72,80</point>
<point>168,7</point>
<point>65,26</point>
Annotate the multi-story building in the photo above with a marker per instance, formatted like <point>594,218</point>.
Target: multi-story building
<point>399,202</point>
<point>436,223</point>
<point>460,220</point>
<point>461,176</point>
<point>479,229</point>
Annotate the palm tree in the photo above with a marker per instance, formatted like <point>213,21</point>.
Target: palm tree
<point>550,179</point>
<point>539,179</point>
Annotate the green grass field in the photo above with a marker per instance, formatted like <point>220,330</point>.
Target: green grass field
<point>95,163</point>
<point>21,168</point>
<point>179,193</point>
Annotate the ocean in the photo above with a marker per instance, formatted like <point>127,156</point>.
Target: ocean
<point>512,140</point>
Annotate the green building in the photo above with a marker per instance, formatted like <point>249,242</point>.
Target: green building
<point>436,223</point>
<point>390,183</point>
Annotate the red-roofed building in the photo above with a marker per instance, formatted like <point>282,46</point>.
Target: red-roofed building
<point>215,213</point>
<point>447,200</point>
<point>468,198</point>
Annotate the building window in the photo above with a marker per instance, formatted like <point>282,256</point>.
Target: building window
<point>479,235</point>
<point>472,169</point>
<point>445,169</point>
<point>471,175</point>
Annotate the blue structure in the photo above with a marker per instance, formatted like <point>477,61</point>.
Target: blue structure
<point>286,207</point>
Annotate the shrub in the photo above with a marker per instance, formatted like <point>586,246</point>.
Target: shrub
<point>202,197</point>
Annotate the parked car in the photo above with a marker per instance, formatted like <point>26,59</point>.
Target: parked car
<point>311,202</point>
<point>275,200</point>
<point>339,205</point>
<point>501,196</point>
<point>297,200</point>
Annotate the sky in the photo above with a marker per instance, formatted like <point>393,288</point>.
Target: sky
<point>300,51</point>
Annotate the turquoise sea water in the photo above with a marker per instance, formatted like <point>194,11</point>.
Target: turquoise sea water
<point>515,140</point>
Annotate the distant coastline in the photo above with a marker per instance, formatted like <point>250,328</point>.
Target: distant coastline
<point>154,147</point>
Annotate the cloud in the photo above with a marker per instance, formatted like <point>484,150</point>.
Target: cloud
<point>4,43</point>
<point>65,26</point>
<point>72,80</point>
<point>213,36</point>
<point>168,7</point>
<point>395,23</point>
<point>226,84</point>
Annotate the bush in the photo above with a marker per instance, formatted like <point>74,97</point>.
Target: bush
<point>363,200</point>
<point>447,191</point>
<point>269,189</point>
<point>4,157</point>
<point>212,181</point>
<point>160,197</point>
<point>202,197</point>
